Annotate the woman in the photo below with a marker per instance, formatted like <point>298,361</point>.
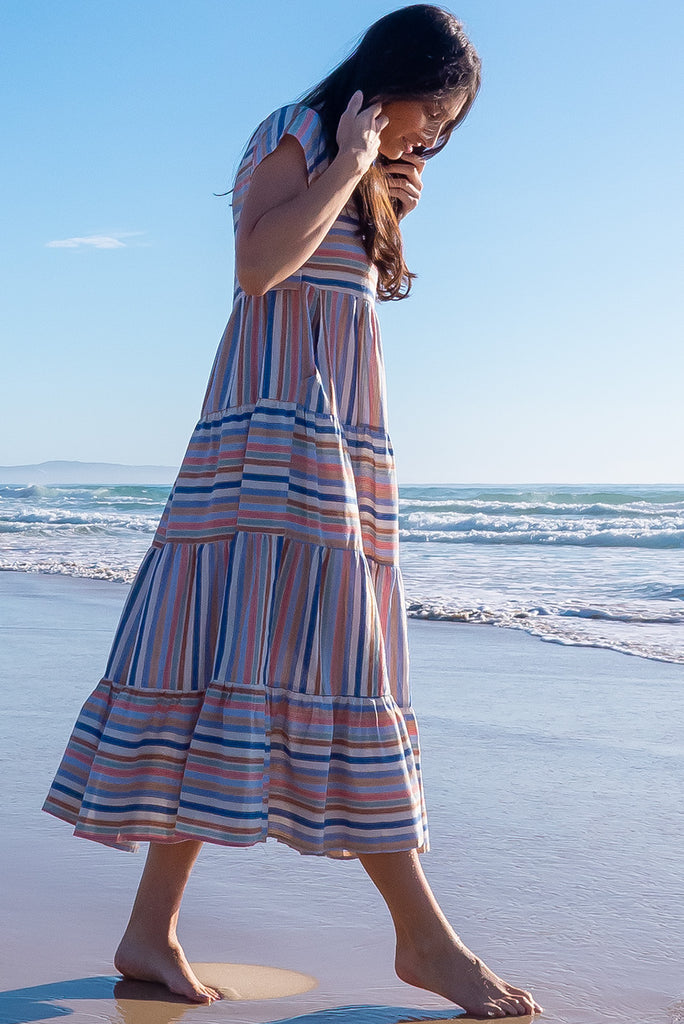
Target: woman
<point>258,681</point>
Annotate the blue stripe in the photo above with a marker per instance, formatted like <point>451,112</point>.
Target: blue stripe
<point>336,283</point>
<point>228,485</point>
<point>330,823</point>
<point>115,741</point>
<point>222,812</point>
<point>229,741</point>
<point>112,810</point>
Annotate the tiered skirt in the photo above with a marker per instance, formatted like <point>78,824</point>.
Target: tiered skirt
<point>257,684</point>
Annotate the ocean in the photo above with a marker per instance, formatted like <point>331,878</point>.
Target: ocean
<point>599,566</point>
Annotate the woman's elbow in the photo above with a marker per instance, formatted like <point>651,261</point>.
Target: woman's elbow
<point>251,280</point>
<point>253,274</point>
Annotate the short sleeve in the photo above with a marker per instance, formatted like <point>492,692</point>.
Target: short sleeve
<point>296,119</point>
<point>302,122</point>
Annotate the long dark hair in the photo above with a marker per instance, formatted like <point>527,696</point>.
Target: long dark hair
<point>417,52</point>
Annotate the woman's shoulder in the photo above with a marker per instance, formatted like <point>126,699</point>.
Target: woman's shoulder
<point>289,113</point>
<point>296,119</point>
<point>292,119</point>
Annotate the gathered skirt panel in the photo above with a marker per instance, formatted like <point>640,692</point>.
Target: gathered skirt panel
<point>235,764</point>
<point>256,687</point>
<point>286,469</point>
<point>264,608</point>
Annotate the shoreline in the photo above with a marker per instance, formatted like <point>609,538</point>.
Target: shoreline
<point>508,627</point>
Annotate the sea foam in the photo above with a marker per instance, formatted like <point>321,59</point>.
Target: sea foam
<point>595,566</point>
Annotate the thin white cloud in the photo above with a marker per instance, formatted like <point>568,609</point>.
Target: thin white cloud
<point>94,241</point>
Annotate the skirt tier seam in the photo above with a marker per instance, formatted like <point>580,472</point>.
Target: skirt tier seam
<point>217,415</point>
<point>279,689</point>
<point>227,538</point>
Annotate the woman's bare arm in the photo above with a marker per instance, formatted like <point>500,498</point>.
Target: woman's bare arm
<point>283,221</point>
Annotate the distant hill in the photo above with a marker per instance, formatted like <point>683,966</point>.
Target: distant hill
<point>87,473</point>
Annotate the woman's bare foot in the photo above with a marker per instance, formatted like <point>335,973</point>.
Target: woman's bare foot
<point>162,961</point>
<point>150,950</point>
<point>451,970</point>
<point>430,954</point>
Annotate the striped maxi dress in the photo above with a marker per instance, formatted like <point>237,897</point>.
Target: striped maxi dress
<point>257,683</point>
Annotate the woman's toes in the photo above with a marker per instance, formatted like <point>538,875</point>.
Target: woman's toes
<point>195,990</point>
<point>512,1007</point>
<point>205,991</point>
<point>522,1004</point>
<point>527,998</point>
<point>492,1010</point>
<point>197,994</point>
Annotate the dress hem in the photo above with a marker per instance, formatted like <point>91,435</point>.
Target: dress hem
<point>129,842</point>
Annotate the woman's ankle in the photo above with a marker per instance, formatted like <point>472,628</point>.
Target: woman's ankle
<point>157,932</point>
<point>431,940</point>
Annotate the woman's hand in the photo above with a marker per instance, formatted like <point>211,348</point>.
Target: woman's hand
<point>405,183</point>
<point>358,133</point>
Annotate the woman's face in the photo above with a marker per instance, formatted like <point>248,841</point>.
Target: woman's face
<point>415,123</point>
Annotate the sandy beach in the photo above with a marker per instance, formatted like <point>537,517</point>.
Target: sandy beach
<point>554,779</point>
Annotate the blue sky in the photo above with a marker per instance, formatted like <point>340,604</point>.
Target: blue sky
<point>543,338</point>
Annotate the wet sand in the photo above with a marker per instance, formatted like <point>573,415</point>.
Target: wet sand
<point>554,780</point>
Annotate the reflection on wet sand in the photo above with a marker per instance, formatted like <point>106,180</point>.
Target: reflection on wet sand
<point>121,1000</point>
<point>144,1003</point>
<point>124,1001</point>
<point>253,981</point>
<point>34,1003</point>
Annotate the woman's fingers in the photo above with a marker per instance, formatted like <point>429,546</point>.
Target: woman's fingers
<point>410,165</point>
<point>405,183</point>
<point>413,158</point>
<point>407,172</point>
<point>355,103</point>
<point>372,115</point>
<point>406,203</point>
<point>358,132</point>
<point>401,187</point>
<point>378,120</point>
